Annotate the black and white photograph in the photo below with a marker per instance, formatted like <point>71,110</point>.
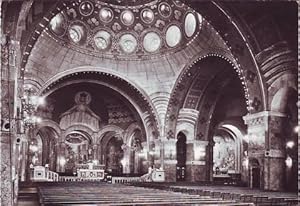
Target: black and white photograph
<point>149,102</point>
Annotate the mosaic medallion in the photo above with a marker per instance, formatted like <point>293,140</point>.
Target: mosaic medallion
<point>102,39</point>
<point>76,33</point>
<point>128,43</point>
<point>173,36</point>
<point>106,15</point>
<point>86,8</point>
<point>190,24</point>
<point>147,16</point>
<point>57,24</point>
<point>152,42</point>
<point>127,17</point>
<point>164,9</point>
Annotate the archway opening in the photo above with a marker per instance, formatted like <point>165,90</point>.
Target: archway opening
<point>42,151</point>
<point>181,157</point>
<point>254,173</point>
<point>95,121</point>
<point>229,155</point>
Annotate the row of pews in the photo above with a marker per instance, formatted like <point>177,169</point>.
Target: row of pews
<point>96,193</point>
<point>238,194</point>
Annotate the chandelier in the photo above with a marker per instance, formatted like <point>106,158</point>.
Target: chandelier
<point>30,103</point>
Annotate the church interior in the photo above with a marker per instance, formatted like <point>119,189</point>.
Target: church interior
<point>101,98</point>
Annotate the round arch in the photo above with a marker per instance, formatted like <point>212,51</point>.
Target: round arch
<point>48,123</point>
<point>281,98</point>
<point>136,97</point>
<point>129,131</point>
<point>82,128</point>
<point>109,128</point>
<point>190,74</point>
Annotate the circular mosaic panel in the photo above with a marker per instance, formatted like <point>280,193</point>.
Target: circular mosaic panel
<point>164,9</point>
<point>128,43</point>
<point>147,16</point>
<point>127,17</point>
<point>190,24</point>
<point>76,33</point>
<point>86,8</point>
<point>106,15</point>
<point>102,39</point>
<point>173,36</point>
<point>57,24</point>
<point>152,42</point>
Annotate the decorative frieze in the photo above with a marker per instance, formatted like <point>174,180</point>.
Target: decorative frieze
<point>195,162</point>
<point>276,153</point>
<point>260,118</point>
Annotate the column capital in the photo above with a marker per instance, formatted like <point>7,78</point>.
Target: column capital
<point>196,162</point>
<point>197,142</point>
<point>276,153</point>
<point>261,117</point>
<point>169,141</point>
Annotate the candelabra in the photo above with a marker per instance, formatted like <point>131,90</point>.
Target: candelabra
<point>30,103</point>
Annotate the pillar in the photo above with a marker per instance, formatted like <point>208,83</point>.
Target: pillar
<point>195,162</point>
<point>61,158</point>
<point>95,151</point>
<point>169,160</point>
<point>267,145</point>
<point>146,157</point>
<point>23,159</point>
<point>8,70</point>
<point>126,163</point>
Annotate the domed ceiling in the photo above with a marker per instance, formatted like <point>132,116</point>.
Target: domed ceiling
<point>131,30</point>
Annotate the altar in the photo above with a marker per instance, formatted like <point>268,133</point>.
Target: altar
<point>90,171</point>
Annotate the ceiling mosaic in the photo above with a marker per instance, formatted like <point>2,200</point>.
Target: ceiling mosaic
<point>101,28</point>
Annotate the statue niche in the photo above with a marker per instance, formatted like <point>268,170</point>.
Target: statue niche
<point>80,113</point>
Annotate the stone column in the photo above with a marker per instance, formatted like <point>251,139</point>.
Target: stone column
<point>146,158</point>
<point>23,160</point>
<point>95,151</point>
<point>169,159</point>
<point>195,160</point>
<point>6,172</point>
<point>9,184</point>
<point>155,153</point>
<point>61,158</point>
<point>267,146</point>
<point>126,160</point>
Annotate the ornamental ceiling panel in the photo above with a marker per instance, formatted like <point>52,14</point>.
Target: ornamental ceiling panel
<point>132,31</point>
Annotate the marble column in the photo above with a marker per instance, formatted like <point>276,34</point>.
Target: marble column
<point>267,148</point>
<point>61,158</point>
<point>23,159</point>
<point>169,159</point>
<point>6,171</point>
<point>126,163</point>
<point>95,151</point>
<point>195,160</point>
<point>146,158</point>
<point>9,182</point>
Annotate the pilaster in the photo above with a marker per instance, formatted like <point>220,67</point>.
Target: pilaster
<point>267,148</point>
<point>169,159</point>
<point>196,160</point>
<point>61,159</point>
